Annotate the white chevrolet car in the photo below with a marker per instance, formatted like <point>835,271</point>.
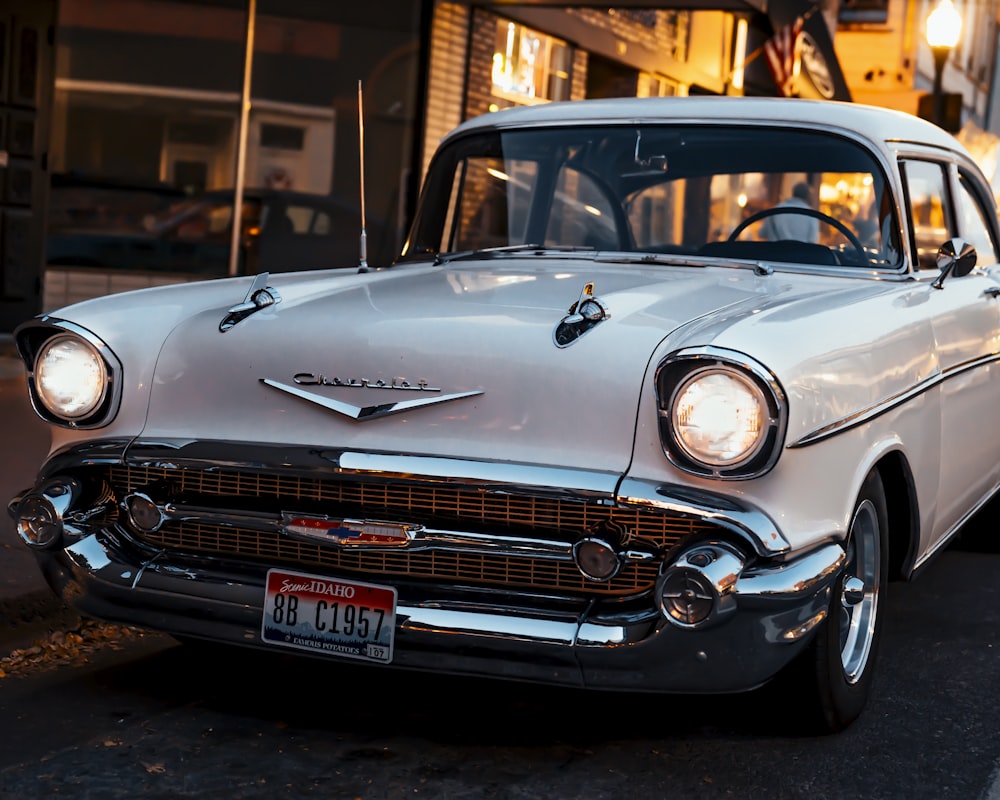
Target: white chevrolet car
<point>660,395</point>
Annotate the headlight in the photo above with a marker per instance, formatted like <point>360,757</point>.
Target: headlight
<point>70,377</point>
<point>718,417</point>
<point>721,414</point>
<point>74,378</point>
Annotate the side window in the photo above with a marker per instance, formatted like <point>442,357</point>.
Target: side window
<point>973,222</point>
<point>932,221</point>
<point>301,218</point>
<point>321,224</point>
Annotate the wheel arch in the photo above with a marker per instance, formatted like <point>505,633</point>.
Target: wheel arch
<point>903,513</point>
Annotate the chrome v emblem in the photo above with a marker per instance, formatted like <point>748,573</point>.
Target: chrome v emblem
<point>364,413</point>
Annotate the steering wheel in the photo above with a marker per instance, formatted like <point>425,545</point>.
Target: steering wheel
<point>807,212</point>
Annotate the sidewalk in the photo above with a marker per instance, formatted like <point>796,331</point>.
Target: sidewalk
<point>27,605</point>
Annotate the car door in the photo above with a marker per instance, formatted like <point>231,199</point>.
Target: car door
<point>943,202</point>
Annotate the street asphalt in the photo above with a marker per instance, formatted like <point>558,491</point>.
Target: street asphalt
<point>27,606</point>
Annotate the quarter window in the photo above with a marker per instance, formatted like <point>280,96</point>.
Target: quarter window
<point>930,213</point>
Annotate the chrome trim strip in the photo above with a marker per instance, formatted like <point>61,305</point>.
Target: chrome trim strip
<point>426,539</point>
<point>520,628</point>
<point>887,404</point>
<point>801,577</point>
<point>750,524</point>
<point>107,578</point>
<point>604,488</point>
<point>364,413</point>
<point>945,540</point>
<point>553,482</point>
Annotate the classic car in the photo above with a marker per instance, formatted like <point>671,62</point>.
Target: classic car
<point>592,428</point>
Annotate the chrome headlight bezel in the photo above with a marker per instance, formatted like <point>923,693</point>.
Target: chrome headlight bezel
<point>681,371</point>
<point>39,338</point>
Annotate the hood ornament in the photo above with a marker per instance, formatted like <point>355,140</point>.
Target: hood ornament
<point>364,413</point>
<point>259,296</point>
<point>583,315</point>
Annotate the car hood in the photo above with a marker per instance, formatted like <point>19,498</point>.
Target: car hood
<point>469,352</point>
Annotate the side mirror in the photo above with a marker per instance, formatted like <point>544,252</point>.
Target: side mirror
<point>956,257</point>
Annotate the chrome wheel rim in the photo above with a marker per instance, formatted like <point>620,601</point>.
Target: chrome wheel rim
<point>859,608</point>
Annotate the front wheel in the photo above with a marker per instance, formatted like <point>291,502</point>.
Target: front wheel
<point>839,665</point>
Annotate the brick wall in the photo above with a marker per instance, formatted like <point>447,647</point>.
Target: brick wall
<point>663,32</point>
<point>479,93</point>
<point>446,84</point>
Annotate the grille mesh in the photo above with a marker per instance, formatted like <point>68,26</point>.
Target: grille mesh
<point>441,506</point>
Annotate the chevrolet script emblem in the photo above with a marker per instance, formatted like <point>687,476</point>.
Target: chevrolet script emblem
<point>364,413</point>
<point>347,532</point>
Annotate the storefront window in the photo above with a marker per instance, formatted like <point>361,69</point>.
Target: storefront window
<point>651,85</point>
<point>529,67</point>
<point>146,132</point>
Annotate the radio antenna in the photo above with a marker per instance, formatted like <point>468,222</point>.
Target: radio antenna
<point>361,150</point>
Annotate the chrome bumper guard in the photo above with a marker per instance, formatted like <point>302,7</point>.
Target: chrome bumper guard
<point>102,576</point>
<point>772,602</point>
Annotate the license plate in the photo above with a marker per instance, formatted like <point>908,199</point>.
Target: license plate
<point>328,615</point>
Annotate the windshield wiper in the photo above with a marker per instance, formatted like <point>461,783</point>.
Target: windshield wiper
<point>640,257</point>
<point>490,252</point>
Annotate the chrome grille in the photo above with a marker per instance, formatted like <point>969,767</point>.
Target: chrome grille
<point>441,506</point>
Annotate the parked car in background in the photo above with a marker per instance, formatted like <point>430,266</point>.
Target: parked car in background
<point>107,237</point>
<point>279,231</point>
<point>592,429</point>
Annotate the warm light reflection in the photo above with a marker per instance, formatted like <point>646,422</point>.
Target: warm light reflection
<point>500,176</point>
<point>591,210</point>
<point>739,53</point>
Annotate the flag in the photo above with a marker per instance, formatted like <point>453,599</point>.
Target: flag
<point>783,52</point>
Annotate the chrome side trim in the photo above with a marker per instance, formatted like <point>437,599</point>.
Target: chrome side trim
<point>887,404</point>
<point>941,543</point>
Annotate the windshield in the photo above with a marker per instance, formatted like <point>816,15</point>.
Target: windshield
<point>721,190</point>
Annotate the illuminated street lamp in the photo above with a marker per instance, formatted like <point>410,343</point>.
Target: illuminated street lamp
<point>944,26</point>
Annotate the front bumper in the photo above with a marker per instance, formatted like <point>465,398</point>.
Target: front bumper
<point>103,576</point>
<point>203,574</point>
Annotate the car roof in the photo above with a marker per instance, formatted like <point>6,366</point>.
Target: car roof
<point>881,125</point>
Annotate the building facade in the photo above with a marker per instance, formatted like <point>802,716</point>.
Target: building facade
<point>151,141</point>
